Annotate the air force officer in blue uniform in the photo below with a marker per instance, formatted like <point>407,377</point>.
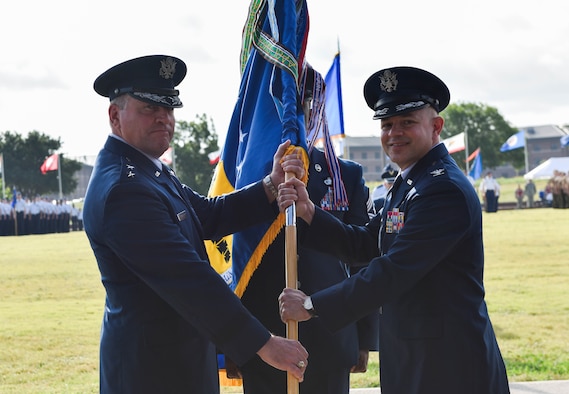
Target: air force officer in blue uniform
<point>166,309</point>
<point>426,252</point>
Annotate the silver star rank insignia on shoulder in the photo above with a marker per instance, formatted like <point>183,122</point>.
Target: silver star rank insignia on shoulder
<point>438,172</point>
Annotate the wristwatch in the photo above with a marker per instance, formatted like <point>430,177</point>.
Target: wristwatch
<point>309,307</point>
<point>270,185</point>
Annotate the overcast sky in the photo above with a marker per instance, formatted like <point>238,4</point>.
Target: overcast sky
<point>512,55</point>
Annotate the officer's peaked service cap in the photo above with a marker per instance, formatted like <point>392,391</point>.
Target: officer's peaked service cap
<point>151,79</point>
<point>397,90</point>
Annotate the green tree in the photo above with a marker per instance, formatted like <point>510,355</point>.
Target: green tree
<point>193,141</point>
<point>486,129</point>
<point>23,158</point>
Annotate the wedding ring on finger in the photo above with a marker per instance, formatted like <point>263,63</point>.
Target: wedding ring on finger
<point>301,364</point>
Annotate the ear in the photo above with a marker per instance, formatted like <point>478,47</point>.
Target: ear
<point>438,123</point>
<point>114,116</point>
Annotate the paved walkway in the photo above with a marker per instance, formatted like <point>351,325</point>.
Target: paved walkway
<point>545,387</point>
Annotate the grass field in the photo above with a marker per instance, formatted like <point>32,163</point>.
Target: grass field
<point>52,303</point>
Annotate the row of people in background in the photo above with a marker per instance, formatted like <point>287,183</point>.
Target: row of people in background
<point>38,216</point>
<point>556,193</point>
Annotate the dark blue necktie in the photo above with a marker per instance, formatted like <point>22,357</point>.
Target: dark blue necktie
<point>392,192</point>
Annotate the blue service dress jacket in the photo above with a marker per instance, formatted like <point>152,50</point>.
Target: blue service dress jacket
<point>316,270</point>
<point>165,306</point>
<point>427,277</point>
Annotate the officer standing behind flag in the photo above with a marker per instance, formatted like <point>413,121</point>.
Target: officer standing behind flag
<point>166,309</point>
<point>332,355</point>
<point>426,270</point>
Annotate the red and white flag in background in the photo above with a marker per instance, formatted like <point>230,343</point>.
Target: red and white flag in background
<point>455,143</point>
<point>50,164</point>
<point>214,157</point>
<point>167,157</point>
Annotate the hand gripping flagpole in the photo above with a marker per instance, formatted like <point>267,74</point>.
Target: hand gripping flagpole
<point>291,277</point>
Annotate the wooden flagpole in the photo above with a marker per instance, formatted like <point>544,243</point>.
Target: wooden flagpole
<point>291,257</point>
<point>291,278</point>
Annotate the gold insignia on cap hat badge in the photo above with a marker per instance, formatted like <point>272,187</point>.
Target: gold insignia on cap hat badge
<point>388,81</point>
<point>167,68</point>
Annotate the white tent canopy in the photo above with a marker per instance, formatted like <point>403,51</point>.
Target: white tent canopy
<point>545,170</point>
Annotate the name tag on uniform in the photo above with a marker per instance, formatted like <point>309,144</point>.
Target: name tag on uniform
<point>182,216</point>
<point>394,221</point>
